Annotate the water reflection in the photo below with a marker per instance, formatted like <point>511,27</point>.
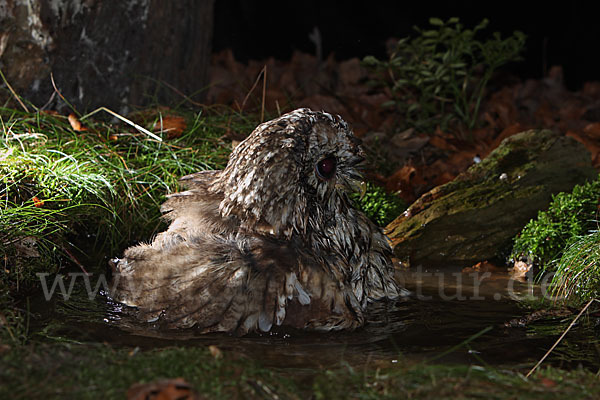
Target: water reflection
<point>446,309</point>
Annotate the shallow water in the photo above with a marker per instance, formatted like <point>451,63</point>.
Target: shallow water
<point>445,309</point>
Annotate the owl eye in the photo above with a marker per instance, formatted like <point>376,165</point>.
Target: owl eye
<point>326,167</point>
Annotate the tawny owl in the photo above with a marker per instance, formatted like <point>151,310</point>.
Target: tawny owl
<point>271,240</point>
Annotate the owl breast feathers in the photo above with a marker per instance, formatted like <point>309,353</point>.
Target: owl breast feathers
<point>270,240</point>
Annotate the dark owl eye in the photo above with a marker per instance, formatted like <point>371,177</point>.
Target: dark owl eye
<point>326,167</point>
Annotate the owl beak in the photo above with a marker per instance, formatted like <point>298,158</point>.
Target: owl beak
<point>362,189</point>
<point>358,186</point>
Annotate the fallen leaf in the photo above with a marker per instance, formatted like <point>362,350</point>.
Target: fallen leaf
<point>173,125</point>
<point>593,130</point>
<point>37,202</point>
<point>590,144</point>
<point>404,181</point>
<point>483,266</point>
<point>548,382</point>
<point>509,131</point>
<point>441,143</point>
<point>76,124</point>
<point>546,113</point>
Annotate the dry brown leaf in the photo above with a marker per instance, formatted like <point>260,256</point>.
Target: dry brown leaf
<point>590,144</point>
<point>405,181</point>
<point>509,131</point>
<point>483,266</point>
<point>441,143</point>
<point>545,113</point>
<point>592,130</point>
<point>37,202</point>
<point>173,125</point>
<point>76,124</point>
<point>548,382</point>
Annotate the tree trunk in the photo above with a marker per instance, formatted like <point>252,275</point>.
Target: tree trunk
<point>106,53</point>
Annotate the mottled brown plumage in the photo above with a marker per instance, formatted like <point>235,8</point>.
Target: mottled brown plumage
<point>271,240</point>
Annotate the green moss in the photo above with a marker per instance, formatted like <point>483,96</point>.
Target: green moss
<point>569,216</point>
<point>380,206</point>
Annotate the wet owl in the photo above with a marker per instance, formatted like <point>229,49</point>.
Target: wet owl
<point>271,240</point>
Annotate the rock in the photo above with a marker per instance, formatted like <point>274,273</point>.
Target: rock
<point>475,216</point>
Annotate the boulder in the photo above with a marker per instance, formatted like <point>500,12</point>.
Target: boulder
<point>475,216</point>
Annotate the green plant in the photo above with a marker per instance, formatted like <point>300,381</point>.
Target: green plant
<point>569,216</point>
<point>440,76</point>
<point>577,274</point>
<point>380,206</point>
<point>59,187</point>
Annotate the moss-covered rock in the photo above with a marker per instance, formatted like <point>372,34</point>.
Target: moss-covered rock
<point>475,216</point>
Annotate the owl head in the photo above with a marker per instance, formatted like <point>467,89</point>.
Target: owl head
<point>292,174</point>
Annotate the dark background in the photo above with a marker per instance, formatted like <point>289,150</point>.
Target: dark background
<point>563,33</point>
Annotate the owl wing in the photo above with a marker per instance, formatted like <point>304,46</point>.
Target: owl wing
<point>198,274</point>
<point>232,285</point>
<point>198,185</point>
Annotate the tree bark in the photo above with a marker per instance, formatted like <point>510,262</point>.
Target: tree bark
<point>106,53</point>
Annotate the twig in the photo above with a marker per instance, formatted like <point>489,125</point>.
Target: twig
<point>264,93</point>
<point>13,92</point>
<point>262,73</point>
<point>177,91</point>
<point>278,109</point>
<point>49,101</point>
<point>122,118</point>
<point>61,96</point>
<point>560,338</point>
<point>75,260</point>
